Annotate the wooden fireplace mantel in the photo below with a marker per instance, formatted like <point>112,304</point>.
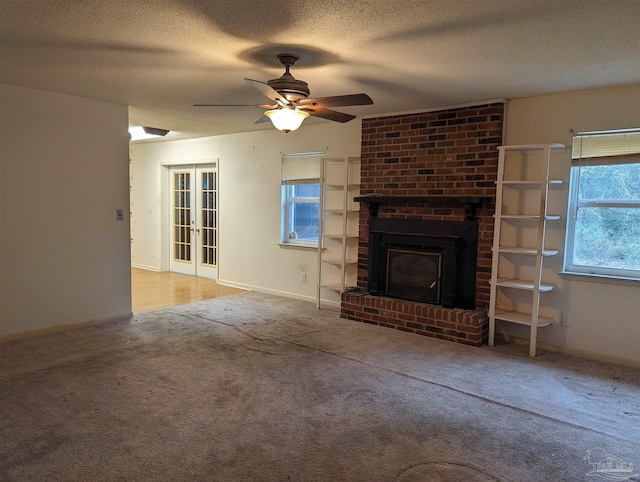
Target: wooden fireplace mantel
<point>468,203</point>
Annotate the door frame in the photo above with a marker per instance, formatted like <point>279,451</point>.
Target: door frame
<point>165,205</point>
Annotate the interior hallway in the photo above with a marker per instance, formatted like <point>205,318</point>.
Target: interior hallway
<point>151,290</point>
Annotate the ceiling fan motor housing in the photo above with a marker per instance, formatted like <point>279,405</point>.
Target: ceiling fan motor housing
<point>287,85</point>
<point>292,89</point>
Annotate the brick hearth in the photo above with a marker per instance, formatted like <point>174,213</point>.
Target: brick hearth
<point>450,153</point>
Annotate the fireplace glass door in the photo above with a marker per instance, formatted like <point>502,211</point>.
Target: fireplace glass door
<point>414,275</point>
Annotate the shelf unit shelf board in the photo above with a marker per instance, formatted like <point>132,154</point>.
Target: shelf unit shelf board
<point>527,251</point>
<point>531,147</point>
<point>332,287</point>
<point>522,318</point>
<point>529,184</point>
<point>339,262</point>
<point>523,284</point>
<point>340,236</point>
<point>342,186</point>
<point>341,211</point>
<point>549,217</point>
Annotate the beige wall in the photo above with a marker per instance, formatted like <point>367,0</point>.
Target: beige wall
<point>605,316</point>
<point>64,259</point>
<point>249,186</point>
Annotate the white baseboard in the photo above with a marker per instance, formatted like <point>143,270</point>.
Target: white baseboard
<point>58,328</point>
<point>144,266</point>
<point>331,303</point>
<point>588,355</point>
<point>284,294</point>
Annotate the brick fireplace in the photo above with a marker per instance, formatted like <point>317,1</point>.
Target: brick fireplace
<point>435,171</point>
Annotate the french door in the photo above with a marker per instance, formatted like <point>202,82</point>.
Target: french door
<point>194,220</point>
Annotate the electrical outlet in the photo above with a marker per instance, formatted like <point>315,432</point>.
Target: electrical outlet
<point>153,253</point>
<point>566,319</point>
<point>303,277</point>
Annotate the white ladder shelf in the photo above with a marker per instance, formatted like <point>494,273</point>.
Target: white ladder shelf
<point>534,179</point>
<point>338,225</point>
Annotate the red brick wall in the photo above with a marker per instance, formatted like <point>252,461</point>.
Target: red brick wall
<point>462,326</point>
<point>451,152</point>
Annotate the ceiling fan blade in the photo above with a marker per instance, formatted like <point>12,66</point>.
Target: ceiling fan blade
<point>337,101</point>
<point>267,90</point>
<point>330,114</point>
<point>262,119</point>
<point>263,106</point>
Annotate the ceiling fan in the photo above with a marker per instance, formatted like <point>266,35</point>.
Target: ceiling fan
<point>291,103</point>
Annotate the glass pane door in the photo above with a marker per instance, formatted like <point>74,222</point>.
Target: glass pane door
<point>194,221</point>
<point>182,223</point>
<point>207,226</point>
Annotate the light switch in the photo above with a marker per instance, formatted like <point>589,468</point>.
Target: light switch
<point>120,214</point>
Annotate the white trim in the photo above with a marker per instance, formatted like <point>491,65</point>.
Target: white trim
<point>311,247</point>
<point>65,327</point>
<point>331,303</point>
<point>284,294</point>
<point>192,162</point>
<point>300,244</point>
<point>145,267</point>
<point>436,109</point>
<point>600,278</point>
<point>572,214</point>
<point>302,154</point>
<point>609,132</point>
<point>505,115</point>
<point>589,355</point>
<point>602,272</point>
<point>613,203</point>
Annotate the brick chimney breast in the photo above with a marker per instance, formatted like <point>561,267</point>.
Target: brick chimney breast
<point>451,152</point>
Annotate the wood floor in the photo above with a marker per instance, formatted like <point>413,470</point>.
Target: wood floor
<point>153,291</point>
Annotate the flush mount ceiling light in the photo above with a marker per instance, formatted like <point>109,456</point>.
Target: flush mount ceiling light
<point>285,119</point>
<point>140,133</point>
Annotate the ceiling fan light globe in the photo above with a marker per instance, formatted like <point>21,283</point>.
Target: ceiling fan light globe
<point>286,120</point>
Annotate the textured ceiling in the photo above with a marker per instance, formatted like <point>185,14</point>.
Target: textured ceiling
<point>161,56</point>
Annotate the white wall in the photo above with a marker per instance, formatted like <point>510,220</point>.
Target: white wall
<point>64,259</point>
<point>249,190</point>
<point>605,316</point>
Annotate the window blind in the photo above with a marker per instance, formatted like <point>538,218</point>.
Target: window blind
<point>301,168</point>
<point>603,148</point>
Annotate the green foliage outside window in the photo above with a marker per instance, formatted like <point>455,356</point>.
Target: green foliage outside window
<point>608,236</point>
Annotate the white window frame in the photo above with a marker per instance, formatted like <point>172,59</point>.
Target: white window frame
<point>575,204</point>
<point>304,176</point>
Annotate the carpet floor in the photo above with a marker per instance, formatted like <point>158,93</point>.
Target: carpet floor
<point>253,387</point>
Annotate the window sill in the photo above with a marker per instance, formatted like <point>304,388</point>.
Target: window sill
<point>304,247</point>
<point>600,278</point>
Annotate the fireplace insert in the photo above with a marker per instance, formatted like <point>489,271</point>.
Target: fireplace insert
<point>427,261</point>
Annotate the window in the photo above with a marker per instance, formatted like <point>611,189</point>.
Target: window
<point>300,198</point>
<point>603,231</point>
